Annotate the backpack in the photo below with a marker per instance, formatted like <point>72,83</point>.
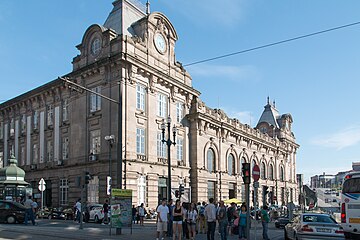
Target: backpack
<point>202,211</point>
<point>230,213</point>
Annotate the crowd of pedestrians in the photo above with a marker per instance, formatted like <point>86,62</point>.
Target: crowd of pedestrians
<point>184,220</point>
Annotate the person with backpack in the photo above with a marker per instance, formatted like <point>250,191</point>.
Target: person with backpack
<point>231,211</point>
<point>265,219</point>
<point>223,220</point>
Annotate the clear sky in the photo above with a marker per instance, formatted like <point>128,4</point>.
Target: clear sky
<point>315,79</point>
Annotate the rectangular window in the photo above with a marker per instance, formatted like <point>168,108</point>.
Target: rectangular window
<point>12,128</point>
<point>140,97</point>
<point>50,114</point>
<point>22,156</point>
<point>35,153</point>
<point>35,120</point>
<point>179,111</point>
<point>161,146</point>
<point>50,151</point>
<point>65,148</point>
<point>95,100</point>
<point>64,192</point>
<point>1,131</point>
<point>95,142</point>
<point>65,110</point>
<point>23,123</point>
<point>140,141</point>
<point>211,189</point>
<point>179,149</point>
<point>162,105</point>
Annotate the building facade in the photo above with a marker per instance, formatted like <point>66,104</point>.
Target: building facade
<point>58,131</point>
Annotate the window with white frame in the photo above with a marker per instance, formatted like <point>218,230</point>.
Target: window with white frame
<point>50,114</point>
<point>49,151</point>
<point>35,153</point>
<point>65,148</point>
<point>179,112</point>
<point>64,192</point>
<point>140,97</point>
<point>35,119</point>
<point>179,149</point>
<point>210,160</point>
<point>211,189</point>
<point>263,170</point>
<point>162,105</point>
<point>65,110</point>
<point>95,100</point>
<point>231,165</point>
<point>271,172</point>
<point>95,138</point>
<point>93,190</point>
<point>161,146</point>
<point>23,123</point>
<point>142,190</point>
<point>140,141</point>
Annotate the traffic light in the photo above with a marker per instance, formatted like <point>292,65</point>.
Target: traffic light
<point>181,189</point>
<point>246,173</point>
<point>88,177</point>
<point>177,193</point>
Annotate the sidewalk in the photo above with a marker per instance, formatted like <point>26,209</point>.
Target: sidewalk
<point>69,230</point>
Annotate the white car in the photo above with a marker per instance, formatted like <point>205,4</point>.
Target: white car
<point>96,213</point>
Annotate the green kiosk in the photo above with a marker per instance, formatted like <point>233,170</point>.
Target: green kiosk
<point>12,184</point>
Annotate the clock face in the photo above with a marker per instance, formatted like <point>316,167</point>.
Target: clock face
<point>160,43</point>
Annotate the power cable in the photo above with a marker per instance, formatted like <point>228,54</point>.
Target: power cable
<point>271,44</point>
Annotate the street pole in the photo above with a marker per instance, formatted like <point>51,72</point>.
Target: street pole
<point>168,143</point>
<point>110,139</point>
<point>247,193</point>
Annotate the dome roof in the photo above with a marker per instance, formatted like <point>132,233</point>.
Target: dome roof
<point>12,174</point>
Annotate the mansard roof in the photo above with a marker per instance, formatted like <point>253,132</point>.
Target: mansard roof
<point>270,115</point>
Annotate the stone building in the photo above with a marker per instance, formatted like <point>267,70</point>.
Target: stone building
<point>57,131</point>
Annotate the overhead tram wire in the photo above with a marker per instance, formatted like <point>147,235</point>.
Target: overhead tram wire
<point>271,44</point>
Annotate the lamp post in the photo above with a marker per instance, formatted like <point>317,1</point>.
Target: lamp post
<point>168,142</point>
<point>111,140</point>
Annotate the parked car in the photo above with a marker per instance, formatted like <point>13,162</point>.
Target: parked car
<point>281,221</point>
<point>11,212</point>
<point>313,226</point>
<point>91,211</point>
<point>55,213</point>
<point>96,214</point>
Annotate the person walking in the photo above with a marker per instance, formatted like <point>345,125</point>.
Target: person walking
<point>223,220</point>
<point>171,218</point>
<point>29,212</point>
<point>265,219</point>
<point>141,214</point>
<point>210,216</point>
<point>105,209</point>
<point>191,216</point>
<point>162,219</point>
<point>178,215</point>
<point>78,210</point>
<point>134,213</point>
<point>201,218</point>
<point>242,222</point>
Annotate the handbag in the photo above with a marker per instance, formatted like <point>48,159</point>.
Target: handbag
<point>236,222</point>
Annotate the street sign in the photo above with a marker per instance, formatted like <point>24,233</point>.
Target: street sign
<point>256,173</point>
<point>42,185</point>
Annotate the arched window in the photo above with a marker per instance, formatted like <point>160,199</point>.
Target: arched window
<point>271,172</point>
<point>262,171</point>
<point>243,160</point>
<point>253,163</point>
<point>211,160</point>
<point>282,174</point>
<point>231,164</point>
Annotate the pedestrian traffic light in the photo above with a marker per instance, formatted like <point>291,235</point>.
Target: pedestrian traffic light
<point>246,172</point>
<point>181,189</point>
<point>177,193</point>
<point>88,177</point>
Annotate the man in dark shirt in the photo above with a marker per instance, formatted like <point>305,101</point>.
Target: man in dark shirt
<point>106,211</point>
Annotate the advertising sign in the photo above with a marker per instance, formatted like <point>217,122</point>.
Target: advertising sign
<point>121,208</point>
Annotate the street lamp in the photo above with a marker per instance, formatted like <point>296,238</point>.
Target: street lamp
<point>111,140</point>
<point>168,143</point>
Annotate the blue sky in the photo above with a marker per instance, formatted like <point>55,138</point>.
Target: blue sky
<point>315,79</point>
